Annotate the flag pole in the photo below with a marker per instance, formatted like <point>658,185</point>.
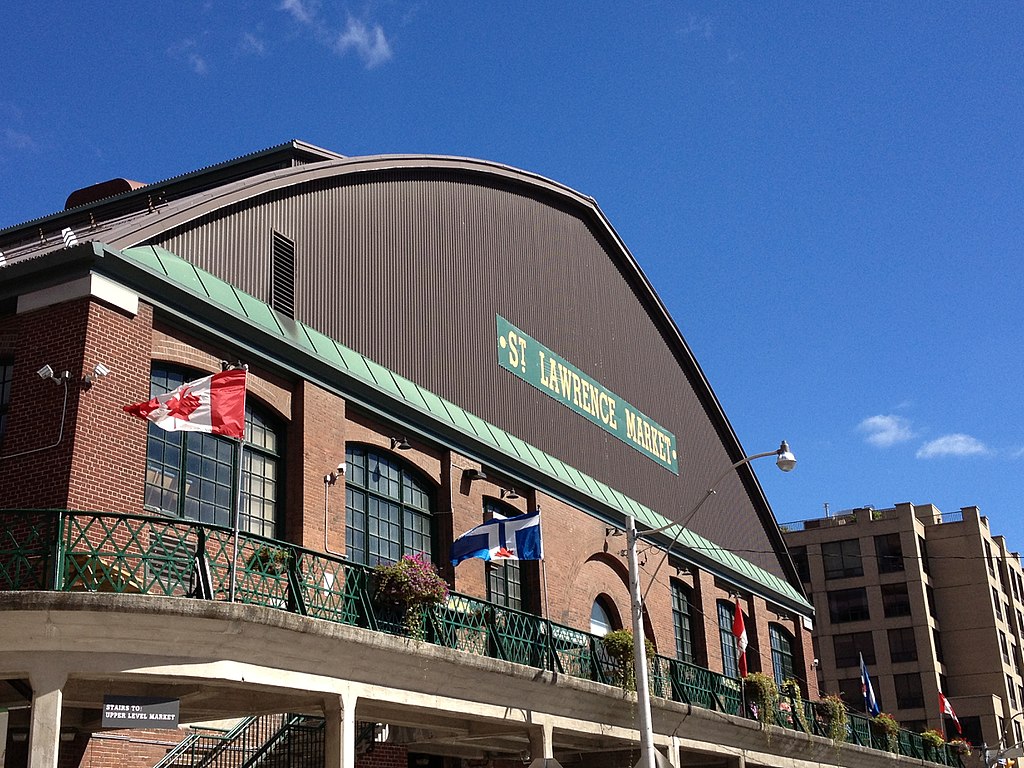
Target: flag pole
<point>233,581</point>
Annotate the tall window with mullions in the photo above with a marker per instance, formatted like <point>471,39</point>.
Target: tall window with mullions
<point>6,376</point>
<point>730,660</point>
<point>389,508</point>
<point>681,601</point>
<point>782,653</point>
<point>195,475</point>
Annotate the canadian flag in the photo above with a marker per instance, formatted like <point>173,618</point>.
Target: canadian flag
<point>947,709</point>
<point>740,631</point>
<point>214,404</point>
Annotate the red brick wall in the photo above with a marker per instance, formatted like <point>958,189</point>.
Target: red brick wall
<point>384,756</point>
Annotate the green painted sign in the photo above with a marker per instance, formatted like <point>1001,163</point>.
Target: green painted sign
<point>537,365</point>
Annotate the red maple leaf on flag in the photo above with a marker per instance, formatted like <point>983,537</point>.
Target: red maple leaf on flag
<point>182,407</point>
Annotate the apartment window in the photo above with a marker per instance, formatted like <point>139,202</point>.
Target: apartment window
<point>937,638</point>
<point>388,508</point>
<point>848,649</point>
<point>782,653</point>
<point>195,475</point>
<point>726,611</point>
<point>1003,648</point>
<point>6,377</point>
<point>799,555</point>
<point>902,645</point>
<point>842,559</point>
<point>998,604</point>
<point>282,274</point>
<point>851,692</point>
<point>988,559</point>
<point>895,600</point>
<point>926,565</point>
<point>848,605</point>
<point>682,599</point>
<point>930,596</point>
<point>889,552</point>
<point>1012,690</point>
<point>908,691</point>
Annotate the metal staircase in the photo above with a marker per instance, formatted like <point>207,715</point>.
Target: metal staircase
<point>268,741</point>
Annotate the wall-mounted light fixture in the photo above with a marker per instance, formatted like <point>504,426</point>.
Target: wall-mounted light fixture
<point>400,443</point>
<point>474,474</point>
<point>98,372</point>
<point>509,494</point>
<point>46,372</point>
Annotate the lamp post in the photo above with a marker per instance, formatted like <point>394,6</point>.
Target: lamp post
<point>649,756</point>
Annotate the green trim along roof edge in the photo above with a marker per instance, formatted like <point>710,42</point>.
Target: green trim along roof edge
<point>207,287</point>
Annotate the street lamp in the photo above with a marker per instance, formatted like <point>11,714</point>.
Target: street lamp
<point>649,756</point>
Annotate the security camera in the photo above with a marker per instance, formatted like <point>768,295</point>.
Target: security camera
<point>341,469</point>
<point>814,663</point>
<point>100,370</point>
<point>46,372</point>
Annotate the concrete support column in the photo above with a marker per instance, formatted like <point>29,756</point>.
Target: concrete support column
<point>674,758</point>
<point>340,731</point>
<point>44,731</point>
<point>3,736</point>
<point>541,741</point>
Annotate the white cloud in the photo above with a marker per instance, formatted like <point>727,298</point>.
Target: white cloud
<point>17,140</point>
<point>300,10</point>
<point>883,431</point>
<point>1018,454</point>
<point>370,44</point>
<point>700,25</point>
<point>187,50</point>
<point>250,43</point>
<point>952,445</point>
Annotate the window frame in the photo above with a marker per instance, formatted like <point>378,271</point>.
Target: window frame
<point>848,611</point>
<point>682,620</point>
<point>412,513</point>
<point>844,562</point>
<point>782,644</point>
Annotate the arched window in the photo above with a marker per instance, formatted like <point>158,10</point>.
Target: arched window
<point>601,618</point>
<point>782,652</point>
<point>195,475</point>
<point>504,577</point>
<point>730,663</point>
<point>389,508</point>
<point>682,599</point>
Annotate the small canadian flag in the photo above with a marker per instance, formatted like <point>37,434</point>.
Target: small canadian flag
<point>214,404</point>
<point>740,632</point>
<point>947,709</point>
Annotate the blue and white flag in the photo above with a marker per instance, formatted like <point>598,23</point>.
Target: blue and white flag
<point>870,702</point>
<point>503,538</point>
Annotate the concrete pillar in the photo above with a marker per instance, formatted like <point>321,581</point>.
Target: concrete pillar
<point>44,731</point>
<point>674,758</point>
<point>3,736</point>
<point>340,731</point>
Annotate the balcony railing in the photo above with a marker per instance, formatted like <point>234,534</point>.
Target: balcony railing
<point>99,552</point>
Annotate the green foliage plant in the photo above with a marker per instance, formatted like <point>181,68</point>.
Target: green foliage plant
<point>619,647</point>
<point>932,738</point>
<point>833,711</point>
<point>762,691</point>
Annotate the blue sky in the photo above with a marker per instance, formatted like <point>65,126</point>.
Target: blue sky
<point>827,196</point>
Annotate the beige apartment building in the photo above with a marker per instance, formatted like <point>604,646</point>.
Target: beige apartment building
<point>934,601</point>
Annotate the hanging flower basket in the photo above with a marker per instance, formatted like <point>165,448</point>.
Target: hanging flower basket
<point>407,589</point>
<point>619,647</point>
<point>962,747</point>
<point>762,694</point>
<point>886,726</point>
<point>832,710</point>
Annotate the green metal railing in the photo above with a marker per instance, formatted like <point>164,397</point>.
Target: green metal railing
<point>89,551</point>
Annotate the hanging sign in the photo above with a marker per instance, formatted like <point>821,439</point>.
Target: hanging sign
<point>537,365</point>
<point>139,712</point>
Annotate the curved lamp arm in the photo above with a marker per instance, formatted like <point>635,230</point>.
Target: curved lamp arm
<point>785,460</point>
